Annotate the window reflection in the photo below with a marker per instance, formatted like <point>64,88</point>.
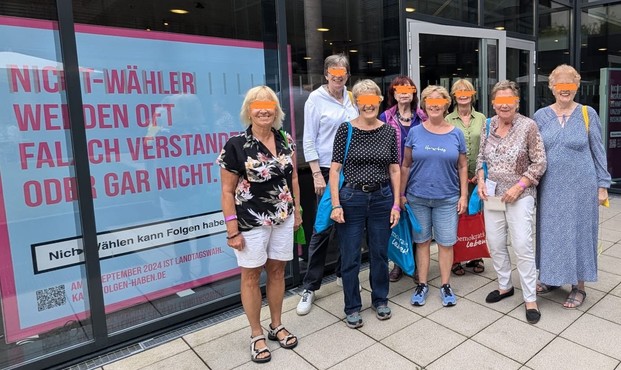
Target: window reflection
<point>553,47</point>
<point>511,15</point>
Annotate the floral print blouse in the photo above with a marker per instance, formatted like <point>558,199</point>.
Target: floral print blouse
<point>263,195</point>
<point>519,153</point>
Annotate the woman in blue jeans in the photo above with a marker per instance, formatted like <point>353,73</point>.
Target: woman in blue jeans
<point>369,197</point>
<point>435,162</point>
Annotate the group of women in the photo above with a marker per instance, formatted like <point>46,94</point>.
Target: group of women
<point>430,159</point>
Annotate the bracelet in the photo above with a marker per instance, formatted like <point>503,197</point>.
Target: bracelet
<point>402,194</point>
<point>396,207</point>
<point>522,184</point>
<point>336,207</point>
<point>234,235</point>
<point>230,218</point>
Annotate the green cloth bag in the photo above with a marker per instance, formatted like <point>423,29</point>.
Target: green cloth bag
<point>298,235</point>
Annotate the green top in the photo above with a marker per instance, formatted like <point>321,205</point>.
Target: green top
<point>472,133</point>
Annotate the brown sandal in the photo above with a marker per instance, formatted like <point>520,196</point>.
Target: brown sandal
<point>477,266</point>
<point>458,269</point>
<point>573,300</point>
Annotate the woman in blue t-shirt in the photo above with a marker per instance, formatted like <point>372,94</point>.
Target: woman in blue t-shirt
<point>435,163</point>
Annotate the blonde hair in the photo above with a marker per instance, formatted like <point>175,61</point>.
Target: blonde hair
<point>261,93</point>
<point>463,84</point>
<point>366,85</point>
<point>431,89</point>
<point>563,69</point>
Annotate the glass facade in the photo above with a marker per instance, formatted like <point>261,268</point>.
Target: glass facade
<point>157,89</point>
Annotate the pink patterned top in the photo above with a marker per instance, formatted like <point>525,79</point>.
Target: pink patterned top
<point>520,153</point>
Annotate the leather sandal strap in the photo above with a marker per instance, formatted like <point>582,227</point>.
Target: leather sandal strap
<point>253,340</point>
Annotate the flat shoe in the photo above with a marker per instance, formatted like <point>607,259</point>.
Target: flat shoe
<point>495,296</point>
<point>533,315</point>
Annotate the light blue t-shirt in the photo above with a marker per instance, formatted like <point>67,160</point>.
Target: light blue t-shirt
<point>434,173</point>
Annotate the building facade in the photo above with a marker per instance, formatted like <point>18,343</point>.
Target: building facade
<point>112,114</point>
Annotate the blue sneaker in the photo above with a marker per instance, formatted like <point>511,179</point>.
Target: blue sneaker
<point>419,296</point>
<point>448,298</point>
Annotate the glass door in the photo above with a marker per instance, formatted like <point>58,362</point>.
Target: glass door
<point>440,55</point>
<point>521,69</point>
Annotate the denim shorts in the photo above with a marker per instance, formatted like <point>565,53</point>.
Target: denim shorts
<point>437,215</point>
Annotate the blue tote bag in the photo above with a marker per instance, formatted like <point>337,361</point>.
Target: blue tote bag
<point>400,243</point>
<point>474,205</point>
<point>324,208</point>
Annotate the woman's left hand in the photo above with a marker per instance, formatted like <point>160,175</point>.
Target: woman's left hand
<point>462,205</point>
<point>602,195</point>
<point>297,219</point>
<point>394,217</point>
<point>512,194</point>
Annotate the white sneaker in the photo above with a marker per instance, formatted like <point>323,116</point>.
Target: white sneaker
<point>306,302</point>
<point>339,282</point>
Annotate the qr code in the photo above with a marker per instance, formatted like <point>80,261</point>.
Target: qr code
<point>51,297</point>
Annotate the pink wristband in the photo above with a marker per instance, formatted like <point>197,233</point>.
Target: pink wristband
<point>396,207</point>
<point>522,184</point>
<point>230,218</point>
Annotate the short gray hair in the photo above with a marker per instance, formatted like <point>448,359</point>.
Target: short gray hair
<point>504,85</point>
<point>366,85</point>
<point>336,60</point>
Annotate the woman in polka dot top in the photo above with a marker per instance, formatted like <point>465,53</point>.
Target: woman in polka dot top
<point>369,197</point>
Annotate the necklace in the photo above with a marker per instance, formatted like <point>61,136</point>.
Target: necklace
<point>333,95</point>
<point>404,119</point>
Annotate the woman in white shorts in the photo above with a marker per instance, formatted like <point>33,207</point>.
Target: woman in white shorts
<point>260,203</point>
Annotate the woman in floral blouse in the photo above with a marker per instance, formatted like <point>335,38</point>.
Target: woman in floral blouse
<point>516,160</point>
<point>260,202</point>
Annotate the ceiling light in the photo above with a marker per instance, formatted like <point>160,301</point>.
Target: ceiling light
<point>500,28</point>
<point>410,10</point>
<point>602,49</point>
<point>383,69</point>
<point>459,69</point>
<point>370,62</point>
<point>555,40</point>
<point>307,58</point>
<point>323,29</point>
<point>179,11</point>
<point>353,50</point>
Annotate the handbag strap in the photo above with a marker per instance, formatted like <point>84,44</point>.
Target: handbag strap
<point>585,115</point>
<point>488,123</point>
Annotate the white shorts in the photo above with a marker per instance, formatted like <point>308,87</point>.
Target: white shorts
<point>263,242</point>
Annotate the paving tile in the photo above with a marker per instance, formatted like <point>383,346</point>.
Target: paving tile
<point>609,264</point>
<point>616,291</point>
<point>603,245</point>
<point>437,340</point>
<point>466,318</point>
<point>302,326</point>
<point>405,284</point>
<point>281,359</point>
<point>183,360</point>
<point>597,334</point>
<point>464,285</point>
<point>574,357</point>
<point>514,339</point>
<point>380,329</point>
<point>470,355</point>
<point>150,356</point>
<point>377,356</point>
<point>605,281</point>
<point>504,306</point>
<point>613,250</point>
<point>216,331</point>
<point>608,309</point>
<point>433,303</point>
<point>611,223</point>
<point>554,318</point>
<point>335,304</point>
<point>230,350</point>
<point>332,345</point>
<point>610,234</point>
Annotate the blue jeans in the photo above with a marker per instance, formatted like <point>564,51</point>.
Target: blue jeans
<point>372,210</point>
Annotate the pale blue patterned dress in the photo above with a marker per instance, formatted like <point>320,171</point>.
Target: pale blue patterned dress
<point>567,210</point>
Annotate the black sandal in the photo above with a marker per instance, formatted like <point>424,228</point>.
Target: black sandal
<point>254,352</point>
<point>458,269</point>
<point>477,266</point>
